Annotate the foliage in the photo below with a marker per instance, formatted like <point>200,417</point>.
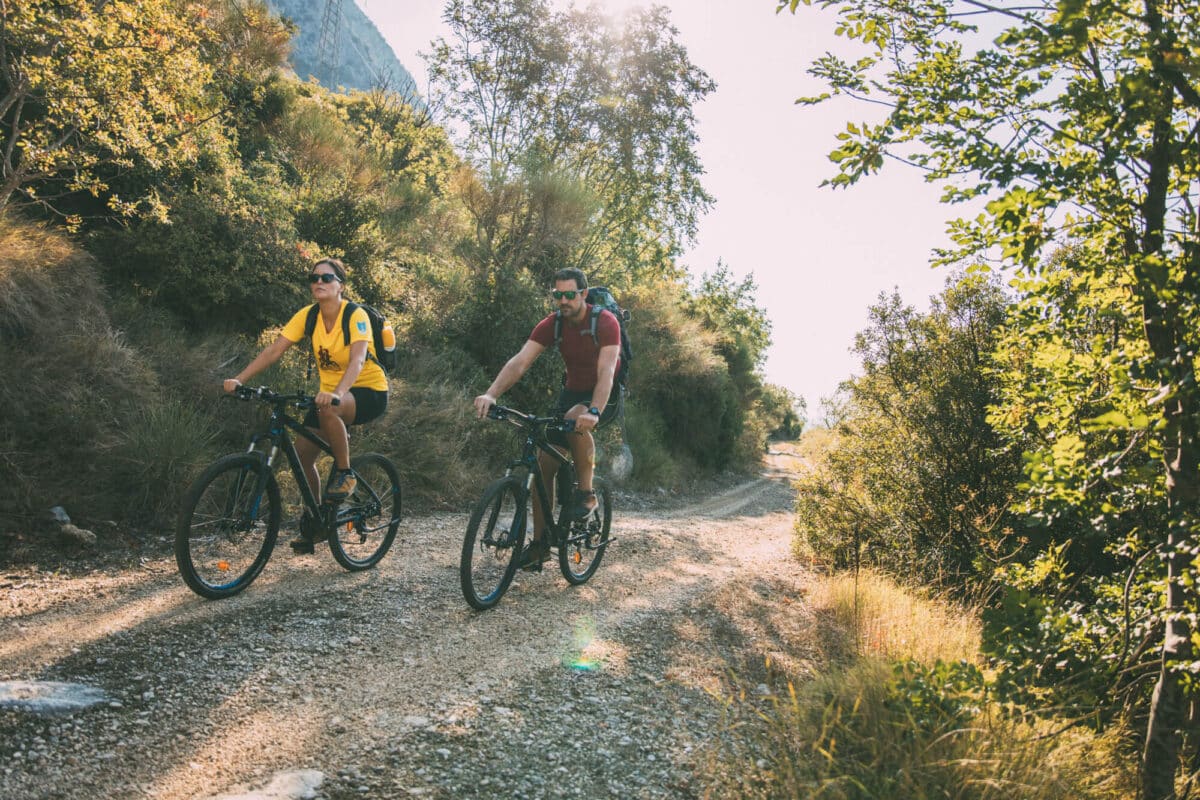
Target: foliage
<point>67,124</point>
<point>932,514</point>
<point>84,396</point>
<point>564,104</point>
<point>784,411</point>
<point>1080,120</point>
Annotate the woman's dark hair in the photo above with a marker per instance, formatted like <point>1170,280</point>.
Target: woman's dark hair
<point>571,274</point>
<point>336,265</point>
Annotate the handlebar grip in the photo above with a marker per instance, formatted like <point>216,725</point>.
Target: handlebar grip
<point>495,411</point>
<point>337,401</point>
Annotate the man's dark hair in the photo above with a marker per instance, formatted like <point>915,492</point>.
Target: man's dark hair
<point>571,274</point>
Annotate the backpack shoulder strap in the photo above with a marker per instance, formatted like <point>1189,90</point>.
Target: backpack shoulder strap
<point>347,312</point>
<point>310,322</point>
<point>595,318</point>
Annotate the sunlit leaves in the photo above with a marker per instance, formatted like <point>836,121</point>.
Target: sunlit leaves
<point>88,88</point>
<point>561,97</point>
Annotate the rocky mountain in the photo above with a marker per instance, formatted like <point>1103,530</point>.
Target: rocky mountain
<point>365,60</point>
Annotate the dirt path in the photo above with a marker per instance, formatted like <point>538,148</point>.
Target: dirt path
<point>389,685</point>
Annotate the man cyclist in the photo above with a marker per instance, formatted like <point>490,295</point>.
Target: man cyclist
<point>590,394</point>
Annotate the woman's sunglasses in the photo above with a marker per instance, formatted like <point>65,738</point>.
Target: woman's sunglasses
<point>557,295</point>
<point>323,277</point>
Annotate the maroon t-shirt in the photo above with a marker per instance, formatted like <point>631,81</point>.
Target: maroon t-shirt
<point>579,351</point>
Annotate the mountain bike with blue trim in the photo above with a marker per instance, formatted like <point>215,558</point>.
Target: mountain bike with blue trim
<point>495,539</point>
<point>231,514</point>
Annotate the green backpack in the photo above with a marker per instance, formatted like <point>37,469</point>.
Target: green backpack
<point>601,299</point>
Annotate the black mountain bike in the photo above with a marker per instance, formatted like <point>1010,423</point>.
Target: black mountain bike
<point>495,537</point>
<point>231,514</point>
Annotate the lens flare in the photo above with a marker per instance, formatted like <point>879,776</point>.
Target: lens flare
<point>579,658</point>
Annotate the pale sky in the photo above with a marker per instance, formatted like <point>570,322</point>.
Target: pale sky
<point>819,256</point>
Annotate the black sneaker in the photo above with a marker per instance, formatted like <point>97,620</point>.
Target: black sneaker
<point>311,532</point>
<point>581,510</point>
<point>533,555</point>
<point>302,546</point>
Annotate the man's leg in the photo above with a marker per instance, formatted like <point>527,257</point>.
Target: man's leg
<point>583,452</point>
<point>549,469</point>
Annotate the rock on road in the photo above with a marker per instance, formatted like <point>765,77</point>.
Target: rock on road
<point>320,683</point>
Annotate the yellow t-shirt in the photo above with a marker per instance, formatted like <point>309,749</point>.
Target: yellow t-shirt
<point>332,352</point>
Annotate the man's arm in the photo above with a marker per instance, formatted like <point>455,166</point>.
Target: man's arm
<point>606,372</point>
<point>509,374</point>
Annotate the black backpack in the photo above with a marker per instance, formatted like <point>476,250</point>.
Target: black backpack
<point>602,300</point>
<point>381,333</point>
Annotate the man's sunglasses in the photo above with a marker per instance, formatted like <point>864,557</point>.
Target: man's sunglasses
<point>323,277</point>
<point>557,295</point>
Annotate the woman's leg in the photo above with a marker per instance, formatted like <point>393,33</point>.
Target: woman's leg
<point>334,421</point>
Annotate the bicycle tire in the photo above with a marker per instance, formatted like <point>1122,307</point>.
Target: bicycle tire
<point>580,555</point>
<point>367,520</point>
<point>493,542</point>
<point>225,535</point>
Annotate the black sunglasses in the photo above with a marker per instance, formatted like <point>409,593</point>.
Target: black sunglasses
<point>557,295</point>
<point>323,277</point>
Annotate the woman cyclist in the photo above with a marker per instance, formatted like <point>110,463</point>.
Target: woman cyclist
<point>358,384</point>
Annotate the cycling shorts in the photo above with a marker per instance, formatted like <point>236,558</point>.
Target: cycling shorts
<point>369,404</point>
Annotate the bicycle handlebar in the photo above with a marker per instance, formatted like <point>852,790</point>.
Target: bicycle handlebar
<point>506,414</point>
<point>265,394</point>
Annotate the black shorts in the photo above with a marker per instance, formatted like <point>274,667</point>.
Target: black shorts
<point>568,399</point>
<point>369,404</point>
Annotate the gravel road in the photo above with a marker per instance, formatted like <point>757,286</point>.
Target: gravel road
<point>385,684</point>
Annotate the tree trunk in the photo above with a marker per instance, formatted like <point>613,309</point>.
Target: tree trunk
<point>1169,706</point>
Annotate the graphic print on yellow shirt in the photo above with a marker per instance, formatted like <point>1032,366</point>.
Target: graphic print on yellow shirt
<point>332,352</point>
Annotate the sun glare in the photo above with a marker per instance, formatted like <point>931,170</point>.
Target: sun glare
<point>617,8</point>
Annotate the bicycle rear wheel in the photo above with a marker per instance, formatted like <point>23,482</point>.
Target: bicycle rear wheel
<point>492,546</point>
<point>367,520</point>
<point>228,526</point>
<point>579,556</point>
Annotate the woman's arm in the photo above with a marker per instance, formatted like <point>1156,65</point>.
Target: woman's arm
<point>269,355</point>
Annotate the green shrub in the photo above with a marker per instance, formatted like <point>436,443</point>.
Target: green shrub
<point>158,454</point>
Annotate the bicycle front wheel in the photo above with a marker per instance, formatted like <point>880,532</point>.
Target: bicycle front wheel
<point>228,526</point>
<point>367,520</point>
<point>492,546</point>
<point>579,556</point>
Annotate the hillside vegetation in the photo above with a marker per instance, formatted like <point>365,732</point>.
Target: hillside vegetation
<point>162,203</point>
<point>1030,444</point>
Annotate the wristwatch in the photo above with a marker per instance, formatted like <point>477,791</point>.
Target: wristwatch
<point>595,412</point>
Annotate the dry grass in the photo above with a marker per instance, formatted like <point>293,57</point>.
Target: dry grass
<point>891,622</point>
<point>88,424</point>
<point>909,716</point>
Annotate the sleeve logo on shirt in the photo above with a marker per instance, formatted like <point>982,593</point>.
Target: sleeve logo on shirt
<point>362,326</point>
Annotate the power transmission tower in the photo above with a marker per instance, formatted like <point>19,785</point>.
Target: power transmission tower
<point>330,48</point>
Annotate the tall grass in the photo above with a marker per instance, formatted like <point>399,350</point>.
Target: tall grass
<point>906,714</point>
<point>891,622</point>
<point>89,424</point>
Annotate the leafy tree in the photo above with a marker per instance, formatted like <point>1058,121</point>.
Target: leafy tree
<point>562,108</point>
<point>919,479</point>
<point>90,88</point>
<point>785,411</point>
<point>1081,119</point>
<point>1075,624</point>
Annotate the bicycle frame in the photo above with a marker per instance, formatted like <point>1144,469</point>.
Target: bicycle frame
<point>535,440</point>
<point>277,435</point>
